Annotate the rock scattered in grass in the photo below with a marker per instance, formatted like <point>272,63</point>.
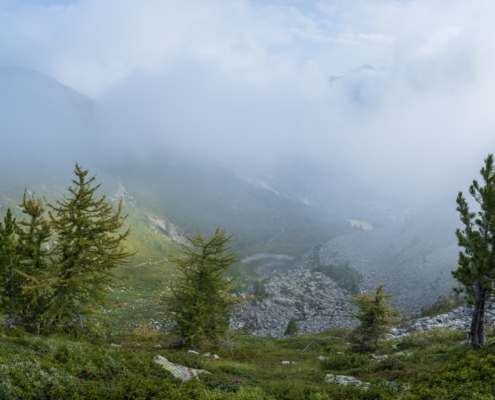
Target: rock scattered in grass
<point>379,358</point>
<point>179,371</point>
<point>345,380</point>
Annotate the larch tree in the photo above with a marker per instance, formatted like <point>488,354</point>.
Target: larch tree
<point>10,287</point>
<point>89,246</point>
<point>476,264</point>
<point>375,317</point>
<point>35,268</point>
<point>200,302</point>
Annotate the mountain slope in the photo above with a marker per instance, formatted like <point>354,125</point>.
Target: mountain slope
<point>414,259</point>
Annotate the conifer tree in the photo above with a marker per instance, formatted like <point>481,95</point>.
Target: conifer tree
<point>375,316</point>
<point>476,265</point>
<point>292,328</point>
<point>200,304</point>
<point>88,249</point>
<point>33,235</point>
<point>10,289</point>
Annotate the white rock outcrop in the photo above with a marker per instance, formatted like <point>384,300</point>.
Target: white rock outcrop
<point>179,371</point>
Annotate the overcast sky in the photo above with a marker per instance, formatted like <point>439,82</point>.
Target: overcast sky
<point>398,92</point>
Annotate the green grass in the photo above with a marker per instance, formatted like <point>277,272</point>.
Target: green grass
<point>434,366</point>
<point>149,271</point>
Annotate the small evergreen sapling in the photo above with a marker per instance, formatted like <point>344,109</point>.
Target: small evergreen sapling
<point>375,316</point>
<point>292,328</point>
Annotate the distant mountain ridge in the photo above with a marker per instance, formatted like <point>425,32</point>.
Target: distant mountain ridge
<point>42,121</point>
<point>12,78</point>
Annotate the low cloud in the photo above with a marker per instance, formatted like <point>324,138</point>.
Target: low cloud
<point>398,94</point>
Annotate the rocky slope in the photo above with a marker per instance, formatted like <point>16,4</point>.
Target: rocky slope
<point>458,319</point>
<point>311,298</point>
<point>414,260</point>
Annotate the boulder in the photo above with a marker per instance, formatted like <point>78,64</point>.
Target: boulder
<point>179,371</point>
<point>344,380</point>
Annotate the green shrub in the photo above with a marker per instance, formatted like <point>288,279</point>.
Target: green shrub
<point>390,363</point>
<point>188,359</point>
<point>292,328</point>
<point>424,340</point>
<point>375,316</point>
<point>145,333</point>
<point>444,304</point>
<point>232,385</point>
<point>468,374</point>
<point>57,368</point>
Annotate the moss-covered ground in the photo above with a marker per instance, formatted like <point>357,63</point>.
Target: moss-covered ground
<point>432,365</point>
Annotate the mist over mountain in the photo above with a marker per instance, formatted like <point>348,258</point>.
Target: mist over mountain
<point>289,207</point>
<point>414,258</point>
<point>50,126</point>
<point>295,201</point>
<point>293,125</point>
<point>42,121</point>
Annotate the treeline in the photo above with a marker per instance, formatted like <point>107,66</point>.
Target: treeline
<point>57,263</point>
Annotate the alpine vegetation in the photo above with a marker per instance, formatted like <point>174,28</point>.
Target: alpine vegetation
<point>375,316</point>
<point>200,302</point>
<point>56,272</point>
<point>476,270</point>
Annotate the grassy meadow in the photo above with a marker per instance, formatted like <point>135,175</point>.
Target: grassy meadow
<point>430,365</point>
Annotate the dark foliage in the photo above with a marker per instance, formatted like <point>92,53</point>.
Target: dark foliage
<point>344,275</point>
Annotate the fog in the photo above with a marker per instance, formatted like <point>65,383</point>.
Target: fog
<point>391,97</point>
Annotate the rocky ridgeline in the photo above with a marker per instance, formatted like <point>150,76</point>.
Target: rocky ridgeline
<point>314,300</point>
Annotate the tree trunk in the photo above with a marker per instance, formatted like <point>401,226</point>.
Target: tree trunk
<point>477,332</point>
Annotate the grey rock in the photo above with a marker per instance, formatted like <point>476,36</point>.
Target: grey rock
<point>379,358</point>
<point>414,260</point>
<point>179,371</point>
<point>344,380</point>
<point>284,302</point>
<point>312,312</point>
